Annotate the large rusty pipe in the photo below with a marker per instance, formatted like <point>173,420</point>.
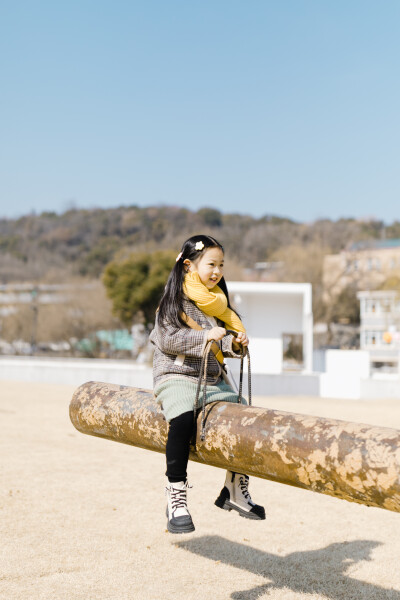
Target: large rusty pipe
<point>355,462</point>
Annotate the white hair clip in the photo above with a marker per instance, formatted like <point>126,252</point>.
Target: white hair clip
<point>178,257</point>
<point>199,246</point>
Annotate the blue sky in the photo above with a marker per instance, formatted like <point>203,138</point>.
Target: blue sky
<point>288,108</point>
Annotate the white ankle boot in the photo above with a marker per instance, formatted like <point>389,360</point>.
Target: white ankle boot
<point>235,496</point>
<point>179,519</point>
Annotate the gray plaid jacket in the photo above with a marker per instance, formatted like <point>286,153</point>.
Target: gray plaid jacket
<point>178,351</point>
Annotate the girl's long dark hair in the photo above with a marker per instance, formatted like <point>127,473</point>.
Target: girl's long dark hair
<point>171,304</point>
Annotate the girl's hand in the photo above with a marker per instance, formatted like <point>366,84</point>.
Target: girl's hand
<point>216,334</point>
<point>242,339</point>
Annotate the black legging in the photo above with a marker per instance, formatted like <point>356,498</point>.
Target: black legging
<point>177,450</point>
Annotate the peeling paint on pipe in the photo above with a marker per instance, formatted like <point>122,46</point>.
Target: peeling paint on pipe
<point>352,461</point>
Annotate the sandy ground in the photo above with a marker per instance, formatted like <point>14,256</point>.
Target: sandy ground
<point>84,518</point>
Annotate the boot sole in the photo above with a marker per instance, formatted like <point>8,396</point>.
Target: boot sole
<point>226,505</point>
<point>186,529</point>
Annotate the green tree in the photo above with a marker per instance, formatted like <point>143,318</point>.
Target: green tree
<point>97,257</point>
<point>136,284</point>
<point>210,216</point>
<point>346,306</point>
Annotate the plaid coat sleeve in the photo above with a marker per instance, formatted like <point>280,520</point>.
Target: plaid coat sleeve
<point>174,340</point>
<point>170,341</point>
<point>190,342</point>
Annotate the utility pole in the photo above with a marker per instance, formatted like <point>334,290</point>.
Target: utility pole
<point>34,307</point>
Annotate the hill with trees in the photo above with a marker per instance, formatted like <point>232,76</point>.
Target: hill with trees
<point>79,244</point>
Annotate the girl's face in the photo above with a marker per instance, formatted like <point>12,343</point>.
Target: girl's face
<point>209,266</point>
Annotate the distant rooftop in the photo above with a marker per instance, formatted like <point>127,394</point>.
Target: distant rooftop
<point>375,244</point>
<point>374,294</point>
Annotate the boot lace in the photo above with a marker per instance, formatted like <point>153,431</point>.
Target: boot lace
<point>178,497</point>
<point>244,487</point>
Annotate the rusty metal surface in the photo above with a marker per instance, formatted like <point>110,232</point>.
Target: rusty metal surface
<point>352,461</point>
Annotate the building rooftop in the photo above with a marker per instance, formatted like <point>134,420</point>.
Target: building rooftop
<point>375,244</point>
<point>375,294</point>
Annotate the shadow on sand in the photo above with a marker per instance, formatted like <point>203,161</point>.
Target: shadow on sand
<point>321,572</point>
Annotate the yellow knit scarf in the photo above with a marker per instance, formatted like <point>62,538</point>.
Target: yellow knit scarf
<point>212,302</point>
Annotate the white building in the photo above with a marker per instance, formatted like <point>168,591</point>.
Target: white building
<point>271,311</point>
<point>380,325</point>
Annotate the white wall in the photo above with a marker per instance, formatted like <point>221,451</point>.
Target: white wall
<point>265,356</point>
<point>348,362</point>
<point>75,371</point>
<point>269,311</point>
<point>341,384</point>
<point>272,315</point>
<point>345,369</point>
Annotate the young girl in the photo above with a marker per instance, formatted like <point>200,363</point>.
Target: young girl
<point>195,292</point>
